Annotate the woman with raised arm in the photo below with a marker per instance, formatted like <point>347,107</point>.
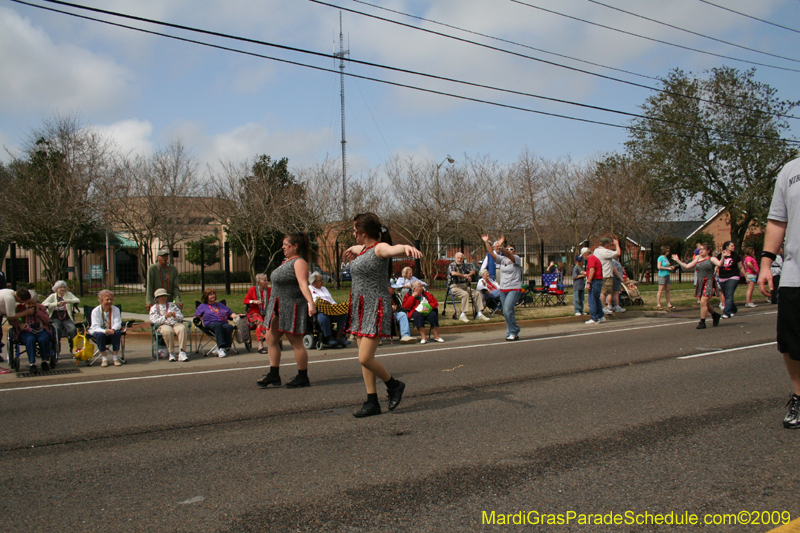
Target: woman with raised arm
<point>371,306</point>
<point>290,306</point>
<point>510,283</point>
<point>704,264</point>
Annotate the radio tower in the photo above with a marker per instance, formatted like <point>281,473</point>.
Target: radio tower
<point>340,54</point>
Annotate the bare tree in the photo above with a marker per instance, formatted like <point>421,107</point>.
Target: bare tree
<point>173,172</point>
<point>55,189</point>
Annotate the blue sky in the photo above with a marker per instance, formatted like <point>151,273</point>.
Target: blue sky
<point>147,91</point>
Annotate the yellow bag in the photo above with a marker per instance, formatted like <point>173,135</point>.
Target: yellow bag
<point>82,349</point>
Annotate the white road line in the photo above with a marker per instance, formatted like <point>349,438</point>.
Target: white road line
<point>716,352</point>
<point>355,358</point>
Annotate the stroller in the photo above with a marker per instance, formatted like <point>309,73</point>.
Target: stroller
<point>630,293</point>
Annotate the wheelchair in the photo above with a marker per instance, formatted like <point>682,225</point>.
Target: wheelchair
<point>314,337</point>
<point>16,349</point>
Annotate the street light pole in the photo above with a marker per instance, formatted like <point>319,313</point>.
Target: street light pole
<point>439,202</point>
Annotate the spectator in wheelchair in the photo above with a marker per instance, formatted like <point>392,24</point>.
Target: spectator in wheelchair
<point>401,317</point>
<point>32,331</point>
<point>168,318</point>
<point>215,317</point>
<point>422,307</point>
<point>8,305</point>
<point>106,327</point>
<point>406,279</point>
<point>328,311</point>
<point>256,301</point>
<point>487,289</point>
<point>59,305</point>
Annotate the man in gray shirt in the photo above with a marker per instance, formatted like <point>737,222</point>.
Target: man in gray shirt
<point>783,221</point>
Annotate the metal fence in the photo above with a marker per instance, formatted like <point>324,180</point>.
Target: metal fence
<point>123,270</point>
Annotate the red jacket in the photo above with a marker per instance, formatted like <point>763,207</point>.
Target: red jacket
<point>255,309</point>
<point>410,303</point>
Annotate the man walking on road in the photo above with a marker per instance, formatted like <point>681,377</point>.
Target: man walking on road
<point>783,221</point>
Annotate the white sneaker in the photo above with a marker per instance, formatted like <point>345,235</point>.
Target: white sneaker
<point>408,340</point>
<point>602,319</point>
<point>424,341</point>
<point>590,321</point>
<point>721,306</point>
<point>214,351</point>
<point>439,339</point>
<point>751,304</point>
<point>483,318</point>
<point>578,314</point>
<point>172,358</point>
<point>608,310</point>
<point>463,318</point>
<point>221,353</point>
<point>619,309</point>
<point>182,357</point>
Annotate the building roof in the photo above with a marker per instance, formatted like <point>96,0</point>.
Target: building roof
<point>682,229</point>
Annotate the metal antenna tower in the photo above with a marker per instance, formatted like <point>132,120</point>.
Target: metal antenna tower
<point>340,54</point>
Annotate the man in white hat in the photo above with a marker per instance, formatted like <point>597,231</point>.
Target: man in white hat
<point>168,318</point>
<point>163,275</point>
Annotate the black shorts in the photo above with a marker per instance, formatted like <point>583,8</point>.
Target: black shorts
<point>789,321</point>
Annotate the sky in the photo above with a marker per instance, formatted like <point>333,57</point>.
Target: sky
<point>147,91</point>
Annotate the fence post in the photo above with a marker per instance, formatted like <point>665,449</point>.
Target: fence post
<point>418,264</point>
<point>12,263</point>
<point>227,268</point>
<point>541,257</point>
<point>202,267</point>
<point>338,267</point>
<point>80,272</point>
<point>462,246</point>
<point>653,271</point>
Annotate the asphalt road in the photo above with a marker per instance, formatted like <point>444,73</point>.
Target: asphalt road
<point>577,419</point>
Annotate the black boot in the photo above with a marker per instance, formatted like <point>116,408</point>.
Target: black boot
<point>395,394</point>
<point>715,319</point>
<point>702,324</point>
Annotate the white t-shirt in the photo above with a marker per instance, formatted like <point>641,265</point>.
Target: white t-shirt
<point>786,208</point>
<point>605,256</point>
<point>322,292</point>
<point>8,303</point>
<point>511,271</point>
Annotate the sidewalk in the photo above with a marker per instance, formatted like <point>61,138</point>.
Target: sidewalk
<point>141,363</point>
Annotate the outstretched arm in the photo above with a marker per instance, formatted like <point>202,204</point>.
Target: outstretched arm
<point>489,248</point>
<point>384,251</point>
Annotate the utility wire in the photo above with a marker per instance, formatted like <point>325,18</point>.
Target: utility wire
<point>386,82</point>
<point>749,16</point>
<point>656,89</point>
<point>690,31</point>
<point>505,40</point>
<point>651,38</point>
<point>406,71</point>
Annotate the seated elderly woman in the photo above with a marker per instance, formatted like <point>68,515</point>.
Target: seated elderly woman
<point>168,318</point>
<point>256,301</point>
<point>215,317</point>
<point>59,305</point>
<point>422,307</point>
<point>403,283</point>
<point>328,311</point>
<point>107,327</point>
<point>32,331</point>
<point>487,289</point>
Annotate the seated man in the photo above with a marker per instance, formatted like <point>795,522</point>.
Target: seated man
<point>422,307</point>
<point>168,318</point>
<point>401,317</point>
<point>459,276</point>
<point>32,331</point>
<point>328,311</point>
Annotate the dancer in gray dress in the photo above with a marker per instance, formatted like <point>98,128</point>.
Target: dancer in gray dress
<point>290,305</point>
<point>704,264</point>
<point>371,305</point>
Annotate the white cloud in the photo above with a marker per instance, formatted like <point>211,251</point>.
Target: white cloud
<point>42,76</point>
<point>132,136</point>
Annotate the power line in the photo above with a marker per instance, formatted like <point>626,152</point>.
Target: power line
<point>377,80</point>
<point>691,32</point>
<point>651,38</point>
<point>406,71</point>
<point>505,40</point>
<point>425,30</point>
<point>749,16</point>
